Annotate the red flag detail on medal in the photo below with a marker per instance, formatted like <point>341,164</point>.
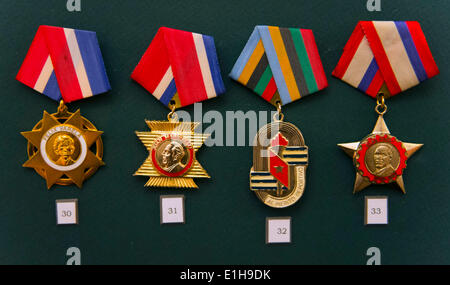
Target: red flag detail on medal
<point>394,53</point>
<point>64,63</point>
<point>180,66</point>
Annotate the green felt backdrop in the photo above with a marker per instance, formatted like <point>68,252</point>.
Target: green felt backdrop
<point>119,218</point>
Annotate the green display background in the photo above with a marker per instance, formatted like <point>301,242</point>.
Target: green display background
<point>225,222</point>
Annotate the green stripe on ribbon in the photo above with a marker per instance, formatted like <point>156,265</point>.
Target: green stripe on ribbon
<point>304,60</point>
<point>263,81</point>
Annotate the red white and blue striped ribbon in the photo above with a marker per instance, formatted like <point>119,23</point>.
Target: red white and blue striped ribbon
<point>394,53</point>
<point>181,67</point>
<point>64,63</point>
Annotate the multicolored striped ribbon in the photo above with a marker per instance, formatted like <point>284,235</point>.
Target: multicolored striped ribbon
<point>280,64</point>
<point>386,52</point>
<point>181,67</point>
<point>64,63</point>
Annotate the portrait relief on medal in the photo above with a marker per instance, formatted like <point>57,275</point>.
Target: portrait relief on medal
<point>173,155</point>
<point>63,148</point>
<point>382,159</point>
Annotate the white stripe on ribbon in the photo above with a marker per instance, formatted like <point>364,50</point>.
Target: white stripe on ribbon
<point>204,65</point>
<point>78,63</point>
<point>44,77</point>
<point>396,53</point>
<point>164,83</point>
<point>359,64</point>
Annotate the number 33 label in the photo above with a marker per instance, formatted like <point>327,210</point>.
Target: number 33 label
<point>376,210</point>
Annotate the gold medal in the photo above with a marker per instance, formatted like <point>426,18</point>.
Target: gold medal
<point>59,148</point>
<point>280,159</point>
<point>379,158</point>
<point>172,147</point>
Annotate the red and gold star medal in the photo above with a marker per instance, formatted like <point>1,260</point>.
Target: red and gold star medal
<point>65,65</point>
<point>281,65</point>
<point>383,59</point>
<point>179,68</point>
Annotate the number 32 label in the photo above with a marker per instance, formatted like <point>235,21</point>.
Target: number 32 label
<point>278,230</point>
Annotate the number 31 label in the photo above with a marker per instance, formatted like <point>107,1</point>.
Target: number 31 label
<point>172,209</point>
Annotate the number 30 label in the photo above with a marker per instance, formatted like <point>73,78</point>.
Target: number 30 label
<point>67,212</point>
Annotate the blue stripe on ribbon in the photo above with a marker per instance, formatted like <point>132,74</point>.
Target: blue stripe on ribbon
<point>260,173</point>
<point>274,64</point>
<point>264,181</point>
<point>245,55</point>
<point>93,61</point>
<point>296,148</point>
<point>295,155</point>
<point>411,50</point>
<point>264,188</point>
<point>368,76</point>
<point>169,93</point>
<point>214,64</point>
<point>52,88</point>
<point>298,163</point>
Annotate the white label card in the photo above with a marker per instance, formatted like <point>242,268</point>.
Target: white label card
<point>278,230</point>
<point>172,209</point>
<point>376,211</point>
<point>67,212</point>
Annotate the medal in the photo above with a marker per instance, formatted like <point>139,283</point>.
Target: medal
<point>383,59</point>
<point>179,68</point>
<point>281,65</point>
<point>65,65</point>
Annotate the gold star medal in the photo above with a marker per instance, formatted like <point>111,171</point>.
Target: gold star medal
<point>65,65</point>
<point>179,68</point>
<point>59,148</point>
<point>172,150</point>
<point>379,158</point>
<point>383,59</point>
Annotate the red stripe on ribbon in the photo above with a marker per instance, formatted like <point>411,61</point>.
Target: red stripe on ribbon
<point>314,58</point>
<point>375,85</point>
<point>381,57</point>
<point>422,48</point>
<point>62,63</point>
<point>270,90</point>
<point>153,64</point>
<point>349,52</point>
<point>34,61</point>
<point>185,65</point>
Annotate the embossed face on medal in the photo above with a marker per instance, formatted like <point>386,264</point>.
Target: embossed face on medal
<point>280,159</point>
<point>382,159</point>
<point>172,155</point>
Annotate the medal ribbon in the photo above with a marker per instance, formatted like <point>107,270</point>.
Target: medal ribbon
<point>180,66</point>
<point>64,63</point>
<point>386,52</point>
<point>280,64</point>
